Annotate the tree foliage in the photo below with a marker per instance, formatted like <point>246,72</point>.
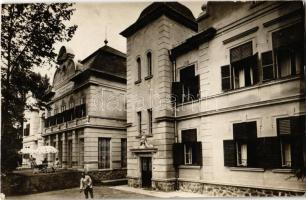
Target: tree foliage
<point>28,35</point>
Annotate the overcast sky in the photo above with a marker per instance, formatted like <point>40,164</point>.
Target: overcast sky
<point>95,19</point>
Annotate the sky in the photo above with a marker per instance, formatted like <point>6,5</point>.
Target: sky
<point>98,20</point>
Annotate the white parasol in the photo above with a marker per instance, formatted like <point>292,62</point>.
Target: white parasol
<point>27,150</point>
<point>45,149</point>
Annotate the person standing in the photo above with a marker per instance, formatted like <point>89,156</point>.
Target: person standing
<point>86,185</point>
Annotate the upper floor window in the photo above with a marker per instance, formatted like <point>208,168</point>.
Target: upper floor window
<point>82,100</point>
<point>188,88</point>
<point>139,121</point>
<point>150,121</point>
<point>138,60</point>
<point>242,71</point>
<point>55,111</point>
<point>71,103</point>
<point>149,64</point>
<point>63,107</point>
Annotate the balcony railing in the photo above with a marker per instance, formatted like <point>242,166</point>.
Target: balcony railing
<point>66,116</point>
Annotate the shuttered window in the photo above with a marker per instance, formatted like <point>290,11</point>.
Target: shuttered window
<point>229,149</point>
<point>177,92</point>
<point>189,151</point>
<point>267,66</point>
<point>288,50</point>
<point>291,131</point>
<point>190,83</point>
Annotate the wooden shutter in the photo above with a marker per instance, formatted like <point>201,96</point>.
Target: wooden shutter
<point>178,154</point>
<point>229,151</point>
<point>245,131</point>
<point>177,91</point>
<point>251,152</point>
<point>241,52</point>
<point>260,153</point>
<point>226,77</point>
<point>272,152</point>
<point>284,126</point>
<point>298,125</point>
<point>297,153</point>
<point>189,135</point>
<point>267,66</point>
<point>197,153</point>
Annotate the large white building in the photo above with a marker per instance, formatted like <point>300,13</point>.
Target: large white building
<point>216,104</point>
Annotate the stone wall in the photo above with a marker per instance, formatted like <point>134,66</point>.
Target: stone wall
<point>232,191</point>
<point>163,185</point>
<point>99,175</point>
<point>17,184</point>
<point>134,182</point>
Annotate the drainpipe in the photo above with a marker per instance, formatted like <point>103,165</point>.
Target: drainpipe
<point>173,61</point>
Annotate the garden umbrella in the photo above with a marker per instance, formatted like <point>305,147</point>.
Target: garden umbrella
<point>26,151</point>
<point>45,150</point>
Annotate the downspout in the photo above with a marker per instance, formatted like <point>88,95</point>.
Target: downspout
<point>173,61</point>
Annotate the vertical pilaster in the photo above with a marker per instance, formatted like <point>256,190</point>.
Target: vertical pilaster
<point>64,143</point>
<point>75,149</point>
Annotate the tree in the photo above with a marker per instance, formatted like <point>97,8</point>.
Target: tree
<point>28,35</point>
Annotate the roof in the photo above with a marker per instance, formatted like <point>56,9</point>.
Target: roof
<point>108,61</point>
<point>173,10</point>
<point>193,42</point>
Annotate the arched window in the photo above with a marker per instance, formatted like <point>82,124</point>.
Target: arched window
<point>71,102</point>
<point>149,63</point>
<point>139,69</point>
<point>63,106</point>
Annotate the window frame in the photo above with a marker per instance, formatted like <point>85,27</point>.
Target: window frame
<point>150,121</point>
<point>139,122</point>
<point>108,161</point>
<point>149,59</point>
<point>138,70</point>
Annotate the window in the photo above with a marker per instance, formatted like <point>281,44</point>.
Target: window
<point>104,153</point>
<point>139,123</point>
<point>138,70</point>
<point>190,84</point>
<point>242,71</point>
<point>63,108</point>
<point>71,104</point>
<point>288,50</point>
<point>242,154</point>
<point>243,64</point>
<point>149,64</point>
<point>291,131</point>
<point>55,111</point>
<point>150,121</point>
<point>242,150</point>
<point>123,152</point>
<point>189,151</point>
<point>188,154</point>
<point>82,100</point>
<point>286,154</point>
<point>26,131</point>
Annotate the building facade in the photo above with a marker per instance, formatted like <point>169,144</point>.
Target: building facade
<point>216,104</point>
<point>87,119</point>
<point>32,130</point>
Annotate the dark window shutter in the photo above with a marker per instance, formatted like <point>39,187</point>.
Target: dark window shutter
<point>189,135</point>
<point>297,152</point>
<point>260,153</point>
<point>241,52</point>
<point>197,153</point>
<point>298,125</point>
<point>177,91</point>
<point>245,131</point>
<point>251,151</point>
<point>284,126</point>
<point>272,152</point>
<point>229,149</point>
<point>254,64</point>
<point>178,154</point>
<point>267,66</point>
<point>226,77</point>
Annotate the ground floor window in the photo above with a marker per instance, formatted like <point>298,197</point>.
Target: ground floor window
<point>104,153</point>
<point>188,154</point>
<point>242,154</point>
<point>123,152</point>
<point>286,154</point>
